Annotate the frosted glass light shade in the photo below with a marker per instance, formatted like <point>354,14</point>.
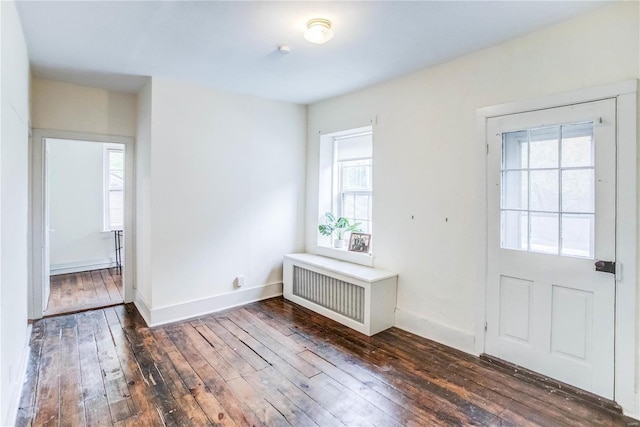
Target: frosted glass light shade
<point>318,31</point>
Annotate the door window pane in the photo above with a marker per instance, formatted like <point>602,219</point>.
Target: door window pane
<point>515,189</point>
<point>577,145</point>
<point>515,153</point>
<point>543,190</point>
<point>515,230</point>
<point>543,147</point>
<point>544,232</point>
<point>578,235</point>
<point>578,192</point>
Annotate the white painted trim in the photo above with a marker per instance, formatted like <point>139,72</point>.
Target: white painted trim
<point>200,307</point>
<point>18,383</point>
<point>37,254</point>
<point>627,366</point>
<point>84,265</point>
<point>560,100</point>
<point>626,330</point>
<point>344,255</point>
<point>143,307</point>
<point>435,331</point>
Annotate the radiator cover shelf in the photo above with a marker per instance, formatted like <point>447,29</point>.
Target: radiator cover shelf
<point>360,297</point>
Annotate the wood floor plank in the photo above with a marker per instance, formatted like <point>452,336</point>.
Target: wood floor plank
<point>75,292</point>
<point>48,390</point>
<point>271,363</point>
<point>209,402</point>
<point>226,352</point>
<point>121,405</point>
<point>174,402</point>
<point>236,411</point>
<point>399,412</point>
<point>27,408</point>
<point>208,352</point>
<point>270,380</point>
<point>90,293</point>
<point>442,402</point>
<point>71,400</point>
<point>243,349</point>
<point>143,341</point>
<point>262,409</point>
<point>275,346</point>
<point>152,399</point>
<point>93,389</point>
<point>112,289</point>
<point>101,290</point>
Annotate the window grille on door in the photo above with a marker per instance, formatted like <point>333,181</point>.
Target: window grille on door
<point>548,190</point>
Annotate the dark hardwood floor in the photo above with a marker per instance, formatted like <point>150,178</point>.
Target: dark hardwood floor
<point>272,363</point>
<point>83,291</point>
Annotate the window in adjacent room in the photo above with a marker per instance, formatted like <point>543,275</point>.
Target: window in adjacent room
<point>113,187</point>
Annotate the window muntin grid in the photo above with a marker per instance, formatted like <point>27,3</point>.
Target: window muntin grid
<point>548,190</point>
<point>355,191</point>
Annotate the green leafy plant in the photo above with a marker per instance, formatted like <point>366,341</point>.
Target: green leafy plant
<point>338,226</point>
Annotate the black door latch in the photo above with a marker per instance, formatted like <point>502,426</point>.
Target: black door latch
<point>606,266</point>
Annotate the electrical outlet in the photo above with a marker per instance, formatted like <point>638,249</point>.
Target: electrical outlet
<point>239,281</point>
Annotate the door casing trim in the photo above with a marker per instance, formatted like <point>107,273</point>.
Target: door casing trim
<point>626,315</point>
<point>37,202</point>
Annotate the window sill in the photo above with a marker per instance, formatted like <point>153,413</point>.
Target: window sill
<point>344,255</point>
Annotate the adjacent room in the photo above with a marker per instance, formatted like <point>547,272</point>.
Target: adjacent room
<point>85,205</point>
<point>372,213</point>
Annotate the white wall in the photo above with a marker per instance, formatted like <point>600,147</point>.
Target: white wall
<point>428,160</point>
<point>227,196</point>
<point>76,207</point>
<point>68,107</point>
<point>14,148</point>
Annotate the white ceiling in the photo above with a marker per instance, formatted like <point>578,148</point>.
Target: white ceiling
<point>233,45</point>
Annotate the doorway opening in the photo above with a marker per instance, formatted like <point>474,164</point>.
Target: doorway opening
<point>82,222</point>
<point>84,213</point>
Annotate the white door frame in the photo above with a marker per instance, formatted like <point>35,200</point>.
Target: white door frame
<point>38,203</point>
<point>627,368</point>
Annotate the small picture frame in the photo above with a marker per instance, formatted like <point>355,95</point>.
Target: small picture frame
<point>359,242</point>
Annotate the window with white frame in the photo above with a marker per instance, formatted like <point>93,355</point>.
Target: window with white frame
<point>353,168</point>
<point>345,178</point>
<point>113,187</point>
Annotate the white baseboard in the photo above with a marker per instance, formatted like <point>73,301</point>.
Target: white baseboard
<point>435,331</point>
<point>18,383</point>
<point>187,310</point>
<point>143,307</point>
<point>78,266</point>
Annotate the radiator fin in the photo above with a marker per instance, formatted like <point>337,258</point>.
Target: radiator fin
<point>331,293</point>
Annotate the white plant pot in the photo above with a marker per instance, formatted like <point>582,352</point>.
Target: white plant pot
<point>338,243</point>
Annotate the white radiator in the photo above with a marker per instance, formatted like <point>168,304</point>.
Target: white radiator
<point>360,297</point>
<point>335,294</point>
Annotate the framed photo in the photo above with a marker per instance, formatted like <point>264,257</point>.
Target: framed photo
<point>359,242</point>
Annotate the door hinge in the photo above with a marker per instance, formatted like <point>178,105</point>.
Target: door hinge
<point>487,148</point>
<point>485,326</point>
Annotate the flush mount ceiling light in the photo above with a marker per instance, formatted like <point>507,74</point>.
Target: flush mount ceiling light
<point>318,31</point>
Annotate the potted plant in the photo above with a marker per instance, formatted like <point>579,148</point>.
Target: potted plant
<point>338,226</point>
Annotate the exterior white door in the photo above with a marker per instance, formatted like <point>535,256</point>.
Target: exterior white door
<point>551,216</point>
